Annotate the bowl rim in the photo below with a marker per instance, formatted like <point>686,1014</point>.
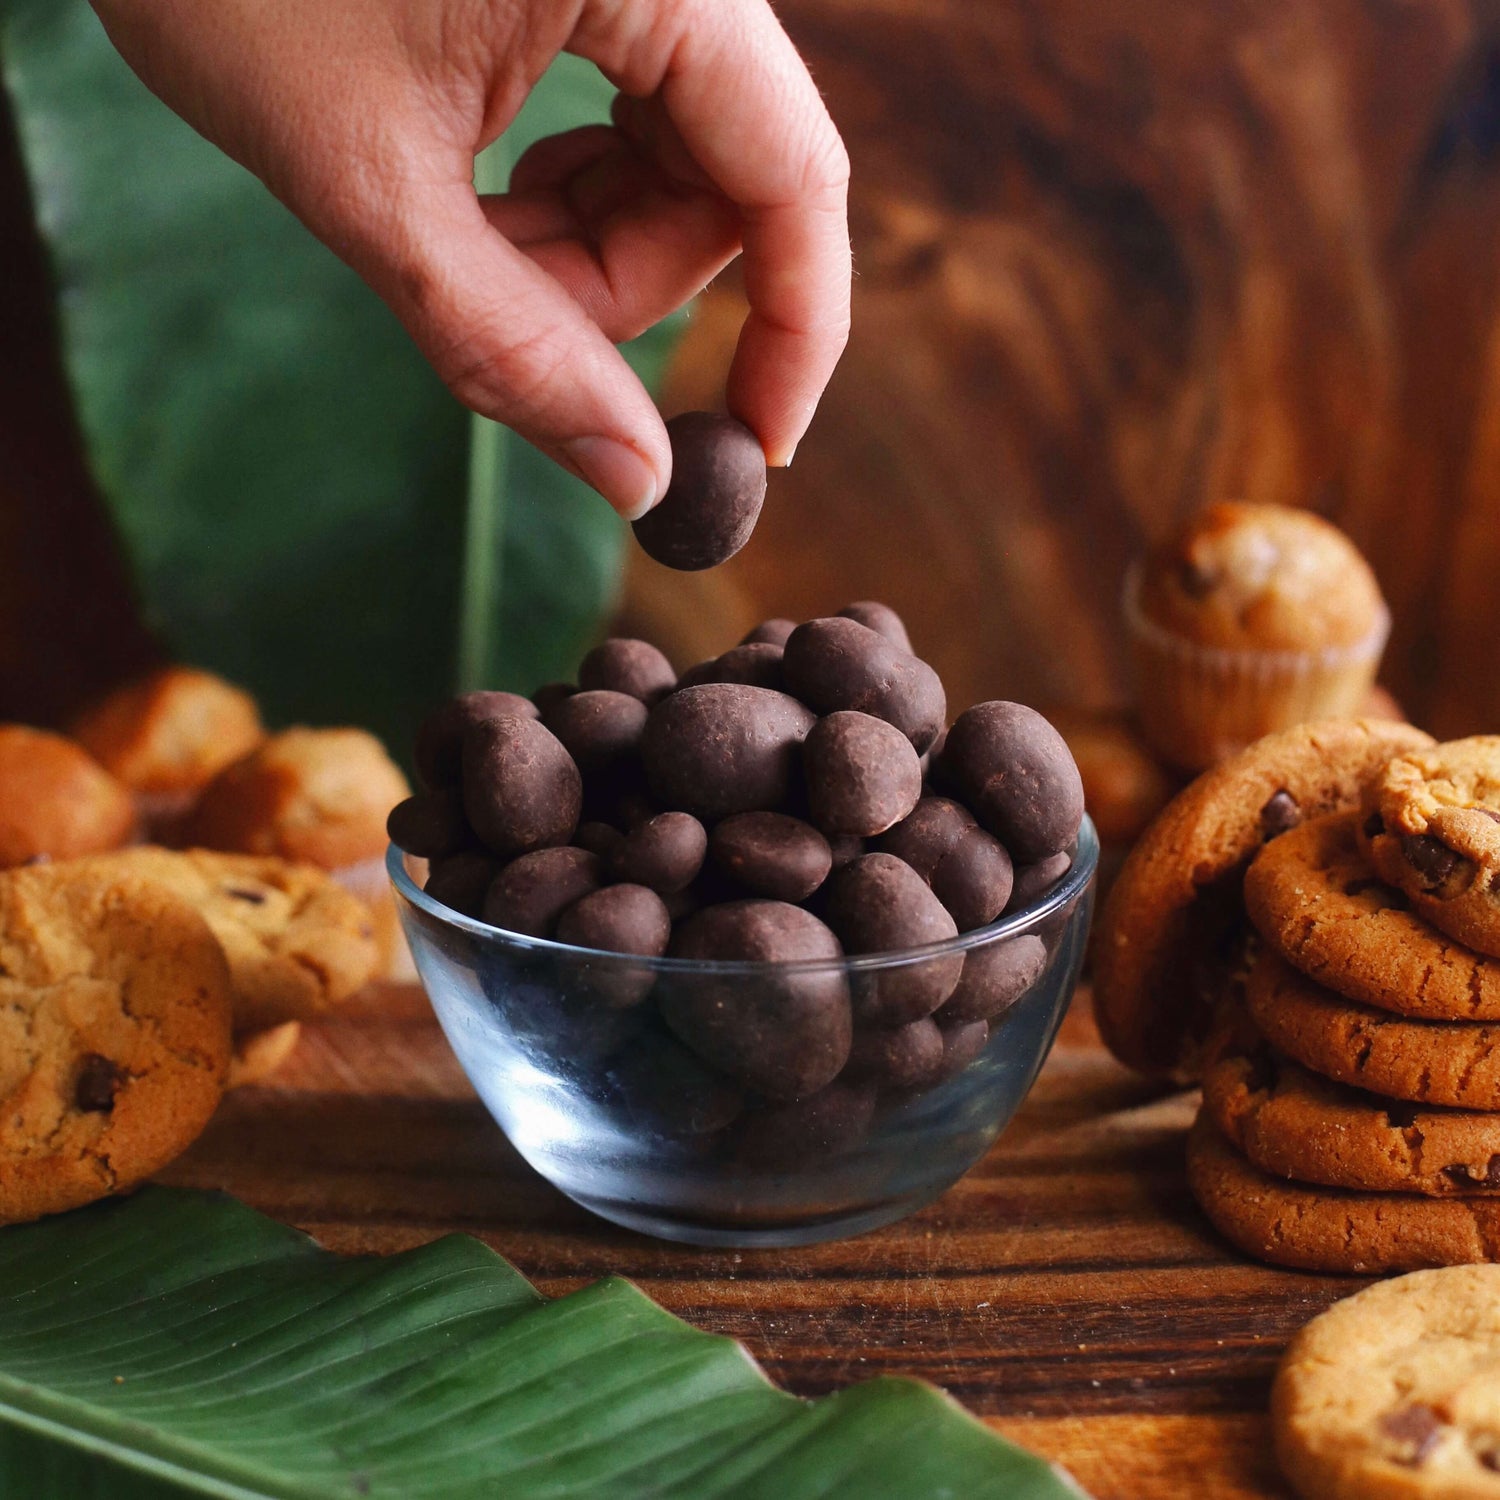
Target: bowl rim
<point>1073,884</point>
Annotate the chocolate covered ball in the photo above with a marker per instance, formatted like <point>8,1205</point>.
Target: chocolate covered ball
<point>603,839</point>
<point>897,1057</point>
<point>1036,879</point>
<point>995,976</point>
<point>724,748</point>
<point>770,632</point>
<point>1016,773</point>
<point>963,1041</point>
<point>430,824</point>
<point>927,833</point>
<point>550,694</point>
<point>879,904</point>
<point>521,788</point>
<point>599,728</point>
<point>532,892</point>
<point>771,854</point>
<point>715,497</point>
<point>621,919</point>
<point>665,852</point>
<point>783,1034</point>
<point>438,751</point>
<point>624,665</point>
<point>460,881</point>
<point>836,664</point>
<point>880,618</point>
<point>758,664</point>
<point>968,870</point>
<point>665,1087</point>
<point>825,1124</point>
<point>861,772</point>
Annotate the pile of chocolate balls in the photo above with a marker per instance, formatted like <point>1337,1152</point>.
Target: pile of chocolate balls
<point>796,798</point>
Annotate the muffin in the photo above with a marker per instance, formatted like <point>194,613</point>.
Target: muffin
<point>316,795</point>
<point>1251,619</point>
<point>56,801</point>
<point>168,735</point>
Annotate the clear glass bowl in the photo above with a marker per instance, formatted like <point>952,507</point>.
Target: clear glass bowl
<point>569,1051</point>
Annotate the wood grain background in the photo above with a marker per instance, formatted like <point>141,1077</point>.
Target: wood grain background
<point>1115,260</point>
<point>1118,260</point>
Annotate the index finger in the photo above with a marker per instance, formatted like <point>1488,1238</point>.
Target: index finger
<point>743,103</point>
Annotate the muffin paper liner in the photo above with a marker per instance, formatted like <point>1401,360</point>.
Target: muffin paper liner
<point>1199,704</point>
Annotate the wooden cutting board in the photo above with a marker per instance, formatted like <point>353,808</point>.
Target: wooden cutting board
<point>1067,1289</point>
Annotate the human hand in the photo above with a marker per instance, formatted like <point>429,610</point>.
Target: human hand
<point>365,116</point>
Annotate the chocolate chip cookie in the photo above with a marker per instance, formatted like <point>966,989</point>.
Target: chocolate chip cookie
<point>1173,930</point>
<point>1317,901</point>
<point>1392,1393</point>
<point>1332,1229</point>
<point>1456,1063</point>
<point>297,943</point>
<point>1293,1123</point>
<point>1432,828</point>
<point>114,1035</point>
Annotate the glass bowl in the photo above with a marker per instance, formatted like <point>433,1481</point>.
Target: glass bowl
<point>570,1051</point>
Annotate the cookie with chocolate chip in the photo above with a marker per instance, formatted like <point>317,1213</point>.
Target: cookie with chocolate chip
<point>1391,1392</point>
<point>1172,940</point>
<point>1292,1123</point>
<point>1333,1229</point>
<point>296,941</point>
<point>1315,898</point>
<point>1455,1063</point>
<point>114,1035</point>
<point>1432,828</point>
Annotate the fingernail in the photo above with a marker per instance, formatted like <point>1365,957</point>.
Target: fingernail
<point>617,471</point>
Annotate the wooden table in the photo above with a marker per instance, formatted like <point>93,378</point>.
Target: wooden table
<point>1067,1289</point>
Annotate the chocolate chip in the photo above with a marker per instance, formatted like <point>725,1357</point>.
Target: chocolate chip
<point>1430,857</point>
<point>97,1084</point>
<point>715,497</point>
<point>1416,1427</point>
<point>243,893</point>
<point>1466,1176</point>
<point>1262,1074</point>
<point>1280,815</point>
<point>1489,1458</point>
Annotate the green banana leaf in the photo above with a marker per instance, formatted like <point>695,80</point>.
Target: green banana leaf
<point>305,508</point>
<point>180,1344</point>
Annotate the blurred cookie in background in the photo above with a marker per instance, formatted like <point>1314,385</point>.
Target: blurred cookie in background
<point>167,735</point>
<point>56,801</point>
<point>320,796</point>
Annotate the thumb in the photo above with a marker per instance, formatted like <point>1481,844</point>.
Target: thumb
<point>511,344</point>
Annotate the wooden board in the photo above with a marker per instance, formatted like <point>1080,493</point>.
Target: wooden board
<point>1067,1289</point>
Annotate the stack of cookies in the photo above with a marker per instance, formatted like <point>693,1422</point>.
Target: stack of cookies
<point>1351,1108</point>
